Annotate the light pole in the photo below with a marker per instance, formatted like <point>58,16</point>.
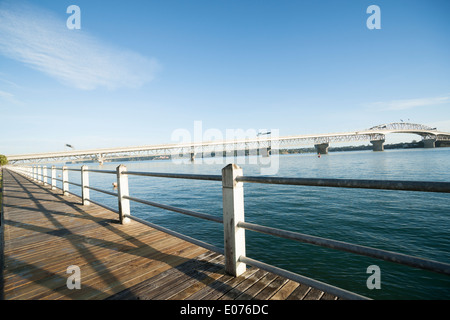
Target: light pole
<point>269,148</point>
<point>262,133</point>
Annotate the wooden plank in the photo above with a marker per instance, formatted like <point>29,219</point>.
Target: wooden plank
<point>244,285</point>
<point>54,261</point>
<point>220,286</point>
<point>328,296</point>
<point>256,288</point>
<point>299,293</point>
<point>40,251</point>
<point>81,253</point>
<point>200,273</point>
<point>165,281</point>
<point>107,269</point>
<point>271,289</point>
<point>313,294</point>
<point>285,290</point>
<point>197,286</point>
<point>103,277</point>
<point>120,281</point>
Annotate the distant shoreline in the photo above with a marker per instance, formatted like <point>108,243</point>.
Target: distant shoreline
<point>401,145</point>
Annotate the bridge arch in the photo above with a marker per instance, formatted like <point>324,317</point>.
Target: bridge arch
<point>402,126</point>
<point>429,135</point>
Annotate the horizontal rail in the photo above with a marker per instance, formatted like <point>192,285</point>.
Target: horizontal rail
<point>74,183</point>
<point>103,191</point>
<point>102,171</point>
<point>179,210</point>
<point>404,259</point>
<point>424,186</point>
<point>73,169</point>
<point>302,279</point>
<point>175,175</point>
<point>177,234</point>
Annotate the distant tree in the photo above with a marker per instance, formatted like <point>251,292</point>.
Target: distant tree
<point>3,160</point>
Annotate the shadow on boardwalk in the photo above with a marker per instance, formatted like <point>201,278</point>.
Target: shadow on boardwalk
<point>45,232</point>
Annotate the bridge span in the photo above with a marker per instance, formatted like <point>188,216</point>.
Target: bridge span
<point>254,146</point>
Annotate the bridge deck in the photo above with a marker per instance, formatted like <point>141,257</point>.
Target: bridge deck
<point>44,233</point>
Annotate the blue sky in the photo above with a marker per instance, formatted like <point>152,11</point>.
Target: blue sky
<point>137,71</point>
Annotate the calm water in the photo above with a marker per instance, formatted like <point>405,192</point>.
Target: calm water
<point>408,222</point>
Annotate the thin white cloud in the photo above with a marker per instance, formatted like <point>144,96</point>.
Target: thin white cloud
<point>7,82</point>
<point>405,104</point>
<point>41,40</point>
<point>7,96</point>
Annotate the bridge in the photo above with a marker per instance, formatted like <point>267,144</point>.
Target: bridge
<point>252,146</point>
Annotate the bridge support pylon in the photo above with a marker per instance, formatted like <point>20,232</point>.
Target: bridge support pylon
<point>322,148</point>
<point>265,152</point>
<point>378,145</point>
<point>100,159</point>
<point>429,143</point>
<point>192,156</point>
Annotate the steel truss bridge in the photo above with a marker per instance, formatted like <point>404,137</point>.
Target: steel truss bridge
<point>253,146</point>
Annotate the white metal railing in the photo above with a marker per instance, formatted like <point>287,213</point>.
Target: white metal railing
<point>233,218</point>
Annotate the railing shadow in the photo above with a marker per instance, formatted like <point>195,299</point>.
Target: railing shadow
<point>85,245</point>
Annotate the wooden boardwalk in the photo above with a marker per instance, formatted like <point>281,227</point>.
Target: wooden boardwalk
<point>44,233</point>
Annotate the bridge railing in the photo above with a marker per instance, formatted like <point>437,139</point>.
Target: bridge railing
<point>233,218</point>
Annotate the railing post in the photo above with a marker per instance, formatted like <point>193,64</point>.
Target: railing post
<point>53,178</point>
<point>34,173</point>
<point>85,185</point>
<point>44,175</point>
<point>233,213</point>
<point>122,191</point>
<point>65,178</point>
<point>39,169</point>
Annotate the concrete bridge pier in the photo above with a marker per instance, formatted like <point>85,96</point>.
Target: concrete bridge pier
<point>429,143</point>
<point>100,159</point>
<point>265,152</point>
<point>322,148</point>
<point>378,145</point>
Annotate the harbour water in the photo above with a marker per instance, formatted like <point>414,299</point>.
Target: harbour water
<point>414,223</point>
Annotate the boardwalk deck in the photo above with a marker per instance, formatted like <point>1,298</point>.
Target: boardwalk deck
<point>44,233</point>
